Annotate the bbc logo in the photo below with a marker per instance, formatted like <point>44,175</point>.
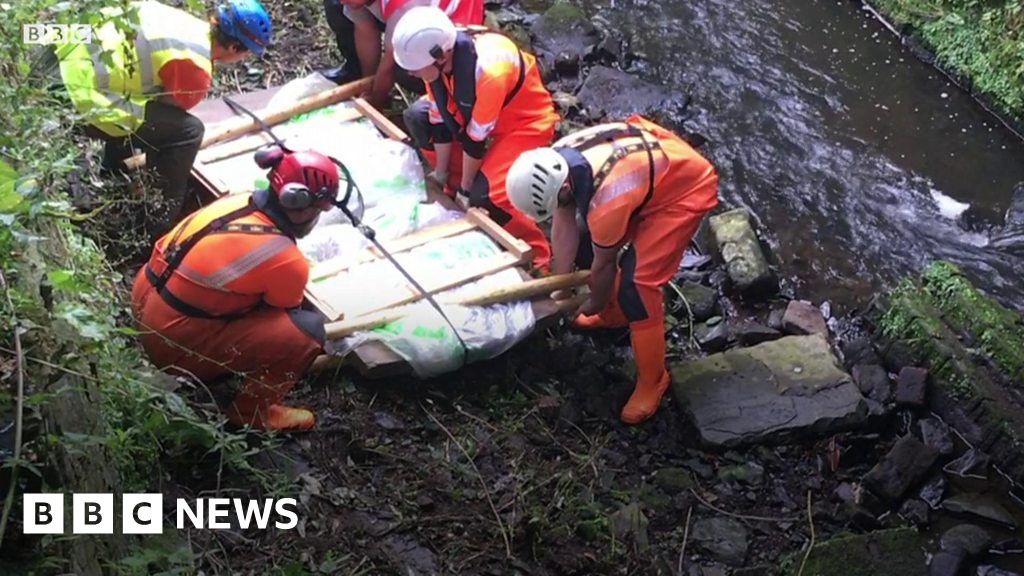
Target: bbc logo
<point>93,514</point>
<point>143,513</point>
<point>56,34</point>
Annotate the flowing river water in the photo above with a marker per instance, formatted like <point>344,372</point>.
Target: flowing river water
<point>860,162</point>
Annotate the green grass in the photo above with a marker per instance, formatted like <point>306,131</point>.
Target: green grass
<point>981,40</point>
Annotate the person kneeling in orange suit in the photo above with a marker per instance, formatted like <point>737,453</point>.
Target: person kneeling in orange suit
<point>485,103</point>
<point>633,184</point>
<point>221,292</point>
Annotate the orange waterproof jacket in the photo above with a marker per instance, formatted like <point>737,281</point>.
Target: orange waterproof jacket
<point>238,259</point>
<point>493,89</point>
<point>639,169</point>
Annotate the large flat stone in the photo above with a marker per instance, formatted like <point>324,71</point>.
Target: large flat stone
<point>613,94</point>
<point>768,392</point>
<point>741,251</point>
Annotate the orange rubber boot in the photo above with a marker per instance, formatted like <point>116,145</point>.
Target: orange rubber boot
<point>272,417</point>
<point>256,405</point>
<point>652,379</point>
<point>610,317</point>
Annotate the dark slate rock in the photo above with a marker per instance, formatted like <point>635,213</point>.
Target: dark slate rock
<point>608,93</point>
<point>911,386</point>
<point>563,35</point>
<point>946,564</point>
<point>906,464</point>
<point>712,338</point>
<point>916,512</point>
<point>972,464</point>
<point>724,539</point>
<point>967,538</point>
<point>859,351</point>
<point>937,436</point>
<point>989,570</point>
<point>754,333</point>
<point>701,301</point>
<point>982,506</point>
<point>933,491</point>
<point>873,382</point>
<point>767,392</point>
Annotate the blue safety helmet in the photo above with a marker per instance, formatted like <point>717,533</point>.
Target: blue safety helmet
<point>248,22</point>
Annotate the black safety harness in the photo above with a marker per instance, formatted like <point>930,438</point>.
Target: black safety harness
<point>464,59</point>
<point>175,252</point>
<point>610,136</point>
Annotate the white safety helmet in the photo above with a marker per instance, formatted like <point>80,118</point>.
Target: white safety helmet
<point>534,180</point>
<point>422,36</point>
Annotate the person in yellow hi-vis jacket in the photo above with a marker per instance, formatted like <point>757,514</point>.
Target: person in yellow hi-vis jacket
<point>134,92</point>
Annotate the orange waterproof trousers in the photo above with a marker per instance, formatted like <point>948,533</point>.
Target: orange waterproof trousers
<point>488,190</point>
<point>270,346</point>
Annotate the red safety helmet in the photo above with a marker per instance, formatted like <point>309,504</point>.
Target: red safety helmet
<point>300,179</point>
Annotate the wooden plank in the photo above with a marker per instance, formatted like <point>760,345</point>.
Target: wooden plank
<point>496,263</point>
<point>389,128</point>
<point>522,251</point>
<point>230,129</point>
<point>254,142</point>
<point>397,246</point>
<point>322,302</point>
<point>374,360</point>
<point>516,291</point>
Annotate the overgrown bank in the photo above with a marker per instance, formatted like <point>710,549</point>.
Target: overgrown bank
<point>80,410</point>
<point>979,41</point>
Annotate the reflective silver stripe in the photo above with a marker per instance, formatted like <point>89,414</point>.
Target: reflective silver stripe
<point>628,182</point>
<point>145,48</point>
<point>144,54</point>
<point>452,6</point>
<point>248,262</point>
<point>128,106</point>
<point>98,67</point>
<point>158,44</point>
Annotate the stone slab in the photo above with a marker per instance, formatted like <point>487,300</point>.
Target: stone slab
<point>768,392</point>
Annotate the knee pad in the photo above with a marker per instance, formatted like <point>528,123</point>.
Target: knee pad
<point>480,197</point>
<point>417,122</point>
<point>629,299</point>
<point>310,323</point>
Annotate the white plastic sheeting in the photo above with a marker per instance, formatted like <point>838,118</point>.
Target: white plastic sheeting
<point>390,177</point>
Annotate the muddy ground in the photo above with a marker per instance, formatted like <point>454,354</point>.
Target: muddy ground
<point>520,465</point>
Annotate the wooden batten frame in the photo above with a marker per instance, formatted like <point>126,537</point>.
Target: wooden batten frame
<point>521,249</point>
<point>404,244</point>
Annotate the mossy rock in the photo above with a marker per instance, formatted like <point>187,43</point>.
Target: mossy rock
<point>674,480</point>
<point>563,15</point>
<point>997,330</point>
<point>933,324</point>
<point>740,249</point>
<point>897,551</point>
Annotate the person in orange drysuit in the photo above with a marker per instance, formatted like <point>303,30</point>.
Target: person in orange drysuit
<point>485,103</point>
<point>637,186</point>
<point>358,27</point>
<point>221,292</point>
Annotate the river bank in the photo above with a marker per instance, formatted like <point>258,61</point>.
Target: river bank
<point>520,465</point>
<point>980,46</point>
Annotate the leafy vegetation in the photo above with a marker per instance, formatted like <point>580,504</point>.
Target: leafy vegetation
<point>64,306</point>
<point>981,40</point>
